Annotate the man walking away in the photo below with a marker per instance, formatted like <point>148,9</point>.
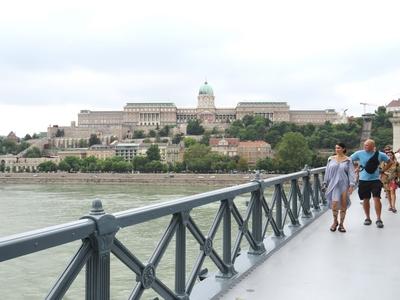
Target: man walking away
<point>369,182</point>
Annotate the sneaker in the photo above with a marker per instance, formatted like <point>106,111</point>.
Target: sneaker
<point>367,222</point>
<point>379,224</point>
<point>394,210</point>
<point>390,209</point>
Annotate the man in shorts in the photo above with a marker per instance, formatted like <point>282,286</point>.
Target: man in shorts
<point>369,183</point>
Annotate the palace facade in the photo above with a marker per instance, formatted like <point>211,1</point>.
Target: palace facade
<point>147,116</point>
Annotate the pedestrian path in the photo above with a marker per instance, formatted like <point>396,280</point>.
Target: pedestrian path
<point>362,263</point>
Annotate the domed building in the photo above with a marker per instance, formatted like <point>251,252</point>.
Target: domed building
<point>146,116</point>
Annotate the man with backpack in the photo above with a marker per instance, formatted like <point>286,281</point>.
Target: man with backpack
<point>369,181</point>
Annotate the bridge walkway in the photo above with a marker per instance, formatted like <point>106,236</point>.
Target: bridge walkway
<point>362,263</point>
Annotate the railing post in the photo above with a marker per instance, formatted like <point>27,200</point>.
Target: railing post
<point>278,208</point>
<point>324,202</point>
<point>306,194</point>
<point>316,192</point>
<point>180,256</point>
<point>227,240</point>
<point>98,266</point>
<point>257,216</point>
<point>293,188</point>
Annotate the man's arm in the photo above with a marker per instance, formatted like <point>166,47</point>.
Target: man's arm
<point>383,157</point>
<point>354,156</point>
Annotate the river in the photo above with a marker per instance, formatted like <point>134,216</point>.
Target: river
<point>33,206</point>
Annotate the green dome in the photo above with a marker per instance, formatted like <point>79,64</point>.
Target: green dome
<point>205,89</point>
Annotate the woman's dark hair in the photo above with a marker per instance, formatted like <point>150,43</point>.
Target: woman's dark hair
<point>390,152</point>
<point>342,145</point>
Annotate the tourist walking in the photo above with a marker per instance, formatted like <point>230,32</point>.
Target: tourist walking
<point>339,182</point>
<point>397,155</point>
<point>369,182</point>
<point>389,177</point>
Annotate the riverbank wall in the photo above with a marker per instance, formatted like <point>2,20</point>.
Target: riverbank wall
<point>144,178</point>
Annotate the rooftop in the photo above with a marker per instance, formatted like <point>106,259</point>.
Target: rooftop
<point>141,104</point>
<point>254,103</point>
<point>394,103</point>
<point>252,144</point>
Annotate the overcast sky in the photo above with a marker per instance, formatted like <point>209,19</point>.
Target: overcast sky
<point>58,57</point>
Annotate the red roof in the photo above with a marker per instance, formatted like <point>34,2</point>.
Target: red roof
<point>253,144</point>
<point>394,103</point>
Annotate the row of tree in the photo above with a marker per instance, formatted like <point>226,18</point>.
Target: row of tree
<point>292,154</point>
<point>8,146</point>
<point>317,136</point>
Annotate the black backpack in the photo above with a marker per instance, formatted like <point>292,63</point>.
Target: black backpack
<point>372,163</point>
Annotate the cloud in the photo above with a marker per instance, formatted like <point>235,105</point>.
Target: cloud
<point>95,55</point>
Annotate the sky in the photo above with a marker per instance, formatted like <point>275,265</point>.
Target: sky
<point>59,57</point>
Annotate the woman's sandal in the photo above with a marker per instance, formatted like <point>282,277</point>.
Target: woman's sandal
<point>334,226</point>
<point>341,228</point>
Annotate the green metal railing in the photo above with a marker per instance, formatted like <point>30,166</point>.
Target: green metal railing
<point>296,196</point>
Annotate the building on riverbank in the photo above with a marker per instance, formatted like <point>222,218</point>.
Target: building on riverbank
<point>251,151</point>
<point>13,163</point>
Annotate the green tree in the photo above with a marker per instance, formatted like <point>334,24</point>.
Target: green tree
<point>194,127</point>
<point>177,138</point>
<point>382,130</point>
<point>63,166</point>
<point>89,164</point>
<point>205,139</point>
<point>215,130</point>
<point>21,147</point>
<point>197,158</point>
<point>47,166</point>
<point>139,163</point>
<point>94,140</point>
<point>106,164</point>
<point>27,137</point>
<point>242,164</point>
<point>318,160</point>
<point>138,134</point>
<point>33,152</point>
<point>179,167</point>
<point>70,164</point>
<point>293,152</point>
<point>153,153</point>
<point>189,142</point>
<point>154,166</point>
<point>164,131</point>
<point>83,143</point>
<point>249,128</point>
<point>266,164</point>
<point>152,133</point>
<point>121,166</point>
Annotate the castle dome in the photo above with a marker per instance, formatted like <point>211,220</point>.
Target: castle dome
<point>206,89</point>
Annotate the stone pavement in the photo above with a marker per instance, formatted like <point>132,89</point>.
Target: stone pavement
<point>362,263</point>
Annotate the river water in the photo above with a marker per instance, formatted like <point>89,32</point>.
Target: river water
<point>33,206</point>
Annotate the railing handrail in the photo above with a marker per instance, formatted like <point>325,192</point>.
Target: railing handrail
<point>44,238</point>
